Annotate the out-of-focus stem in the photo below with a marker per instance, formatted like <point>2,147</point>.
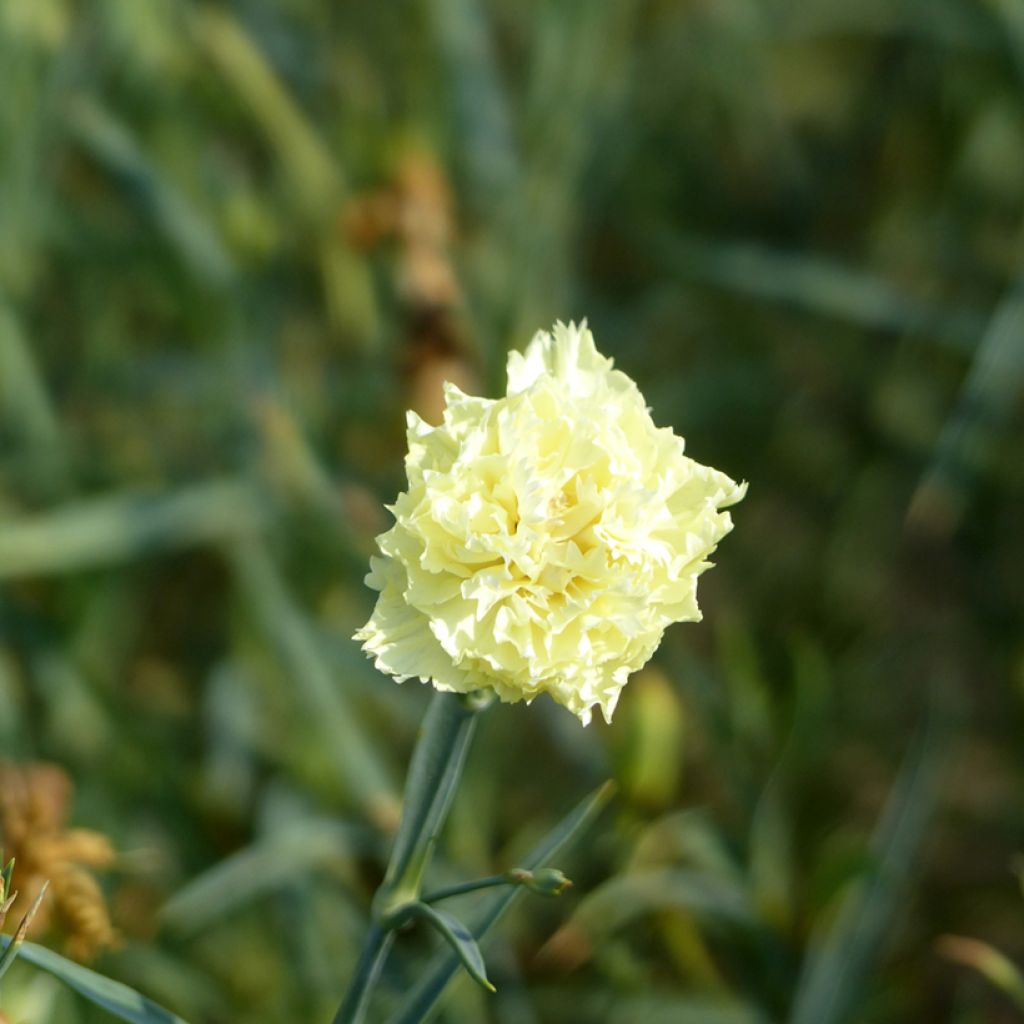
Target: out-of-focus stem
<point>371,962</point>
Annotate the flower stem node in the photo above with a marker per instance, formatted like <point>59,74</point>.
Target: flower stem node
<point>477,700</point>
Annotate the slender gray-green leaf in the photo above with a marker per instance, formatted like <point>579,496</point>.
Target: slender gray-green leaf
<point>822,286</point>
<point>833,979</point>
<point>991,963</point>
<point>113,996</point>
<point>252,873</point>
<point>459,937</point>
<point>626,897</point>
<point>122,526</point>
<point>24,397</point>
<point>772,876</point>
<point>111,141</point>
<point>480,104</point>
<point>311,166</point>
<point>360,767</point>
<point>985,408</point>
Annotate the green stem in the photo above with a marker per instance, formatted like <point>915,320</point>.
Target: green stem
<point>433,778</point>
<point>463,887</point>
<point>434,773</point>
<point>371,961</point>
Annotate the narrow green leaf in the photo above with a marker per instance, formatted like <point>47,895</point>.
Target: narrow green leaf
<point>481,107</point>
<point>989,962</point>
<point>818,285</point>
<point>425,996</point>
<point>687,837</point>
<point>24,399</point>
<point>252,873</point>
<point>6,903</point>
<point>459,937</point>
<point>110,995</point>
<point>192,235</point>
<point>626,897</point>
<point>984,410</point>
<point>126,525</point>
<point>772,875</point>
<point>834,974</point>
<point>315,176</point>
<point>360,766</point>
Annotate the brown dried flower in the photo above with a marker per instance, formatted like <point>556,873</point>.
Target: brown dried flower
<point>35,802</point>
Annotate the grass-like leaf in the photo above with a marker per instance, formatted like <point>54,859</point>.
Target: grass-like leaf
<point>252,873</point>
<point>841,956</point>
<point>996,967</point>
<point>818,285</point>
<point>361,768</point>
<point>127,525</point>
<point>459,937</point>
<point>112,996</point>
<point>626,897</point>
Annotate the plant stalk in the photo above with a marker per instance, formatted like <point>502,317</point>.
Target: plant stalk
<point>371,962</point>
<point>434,773</point>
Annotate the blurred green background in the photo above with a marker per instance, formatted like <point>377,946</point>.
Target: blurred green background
<point>237,240</point>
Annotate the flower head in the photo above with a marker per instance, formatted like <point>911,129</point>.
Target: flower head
<point>546,539</point>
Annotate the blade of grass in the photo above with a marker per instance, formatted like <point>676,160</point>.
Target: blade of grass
<point>24,398</point>
<point>821,286</point>
<point>110,995</point>
<point>480,103</point>
<point>564,104</point>
<point>250,874</point>
<point>985,406</point>
<point>315,177</point>
<point>360,768</point>
<point>623,899</point>
<point>833,980</point>
<point>996,967</point>
<point>317,183</point>
<point>121,527</point>
<point>112,143</point>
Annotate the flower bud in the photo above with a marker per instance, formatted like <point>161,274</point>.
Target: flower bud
<point>545,881</point>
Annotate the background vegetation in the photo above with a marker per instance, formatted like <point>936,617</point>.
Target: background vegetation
<point>237,240</point>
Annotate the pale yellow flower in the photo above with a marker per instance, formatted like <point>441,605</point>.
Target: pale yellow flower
<point>546,539</point>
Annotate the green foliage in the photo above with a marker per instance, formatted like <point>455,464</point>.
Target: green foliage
<point>797,226</point>
<point>112,996</point>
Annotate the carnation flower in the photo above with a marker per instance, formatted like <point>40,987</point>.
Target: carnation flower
<point>546,539</point>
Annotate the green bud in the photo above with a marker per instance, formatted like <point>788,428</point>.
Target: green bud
<point>545,881</point>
